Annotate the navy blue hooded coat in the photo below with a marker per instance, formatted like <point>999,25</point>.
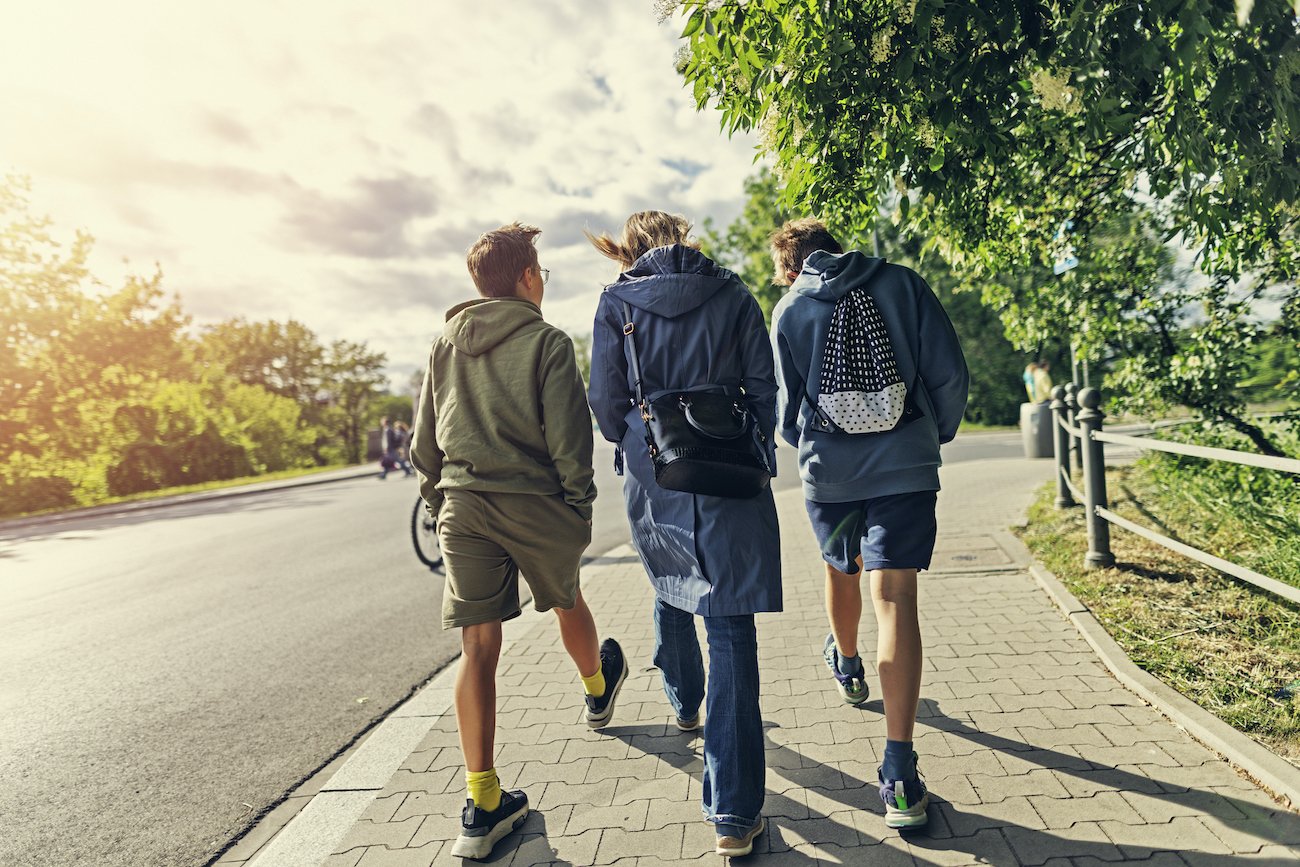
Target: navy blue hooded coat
<point>697,326</point>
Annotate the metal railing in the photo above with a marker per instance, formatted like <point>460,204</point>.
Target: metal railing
<point>1077,423</point>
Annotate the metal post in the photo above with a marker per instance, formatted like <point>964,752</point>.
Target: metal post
<point>1061,440</point>
<point>1071,412</point>
<point>1099,555</point>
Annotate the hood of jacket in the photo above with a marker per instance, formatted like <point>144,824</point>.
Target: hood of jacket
<point>476,327</point>
<point>669,281</point>
<point>827,276</point>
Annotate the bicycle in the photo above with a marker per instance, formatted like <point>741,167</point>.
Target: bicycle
<point>424,534</point>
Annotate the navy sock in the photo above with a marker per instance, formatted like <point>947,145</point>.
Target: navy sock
<point>898,764</point>
<point>849,666</point>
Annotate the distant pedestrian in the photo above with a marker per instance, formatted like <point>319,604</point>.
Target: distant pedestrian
<point>387,457</point>
<point>503,448</point>
<point>695,327</point>
<point>1042,382</point>
<point>1028,378</point>
<point>872,381</point>
<point>402,443</point>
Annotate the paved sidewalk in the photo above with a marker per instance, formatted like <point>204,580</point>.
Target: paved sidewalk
<point>1034,754</point>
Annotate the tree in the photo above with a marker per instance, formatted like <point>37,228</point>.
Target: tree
<point>103,391</point>
<point>353,375</point>
<point>1004,131</point>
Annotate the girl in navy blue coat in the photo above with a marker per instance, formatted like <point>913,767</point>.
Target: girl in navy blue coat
<point>696,326</point>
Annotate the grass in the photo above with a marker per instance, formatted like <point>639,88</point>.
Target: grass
<point>186,489</point>
<point>977,427</point>
<point>1233,650</point>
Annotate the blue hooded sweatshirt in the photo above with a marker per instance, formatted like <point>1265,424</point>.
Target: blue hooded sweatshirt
<point>842,468</point>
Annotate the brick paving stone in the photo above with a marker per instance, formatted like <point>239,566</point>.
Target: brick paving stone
<point>993,787</point>
<point>628,817</point>
<point>666,842</point>
<point>1084,839</point>
<point>1269,856</point>
<point>343,859</point>
<point>532,848</point>
<point>1101,807</point>
<point>380,856</point>
<point>982,847</point>
<point>1248,835</point>
<point>1183,834</point>
<point>394,835</point>
<point>1213,774</point>
<point>561,794</point>
<point>1009,813</point>
<point>1125,778</point>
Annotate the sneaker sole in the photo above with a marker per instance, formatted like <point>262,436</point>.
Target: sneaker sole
<point>914,817</point>
<point>685,726</point>
<point>742,851</point>
<point>478,848</point>
<point>599,722</point>
<point>850,700</point>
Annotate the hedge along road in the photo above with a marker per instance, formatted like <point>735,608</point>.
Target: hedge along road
<point>169,673</point>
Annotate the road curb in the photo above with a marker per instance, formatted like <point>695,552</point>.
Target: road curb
<point>359,472</point>
<point>1263,766</point>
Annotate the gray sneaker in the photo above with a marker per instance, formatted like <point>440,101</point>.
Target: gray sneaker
<point>853,687</point>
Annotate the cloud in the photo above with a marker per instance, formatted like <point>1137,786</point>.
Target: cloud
<point>371,222</point>
<point>332,163</point>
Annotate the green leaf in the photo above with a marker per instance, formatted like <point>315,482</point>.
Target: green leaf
<point>936,160</point>
<point>694,23</point>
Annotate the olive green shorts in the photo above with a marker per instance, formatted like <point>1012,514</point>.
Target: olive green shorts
<point>489,537</point>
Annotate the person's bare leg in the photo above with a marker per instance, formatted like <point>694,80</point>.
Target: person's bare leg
<point>898,648</point>
<point>578,632</point>
<point>476,693</point>
<point>844,607</point>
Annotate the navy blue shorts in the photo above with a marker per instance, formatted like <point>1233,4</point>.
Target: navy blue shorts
<point>893,532</point>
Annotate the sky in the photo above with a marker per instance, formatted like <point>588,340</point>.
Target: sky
<point>332,162</point>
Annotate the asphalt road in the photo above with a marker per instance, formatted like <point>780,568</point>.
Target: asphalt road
<point>167,674</point>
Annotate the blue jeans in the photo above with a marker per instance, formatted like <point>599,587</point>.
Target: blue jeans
<point>734,766</point>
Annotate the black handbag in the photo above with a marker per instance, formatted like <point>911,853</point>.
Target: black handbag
<point>701,442</point>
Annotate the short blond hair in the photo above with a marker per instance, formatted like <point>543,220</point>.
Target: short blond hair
<point>642,232</point>
<point>499,257</point>
<point>796,241</point>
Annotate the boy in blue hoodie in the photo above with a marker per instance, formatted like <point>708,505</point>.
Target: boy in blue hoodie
<point>870,495</point>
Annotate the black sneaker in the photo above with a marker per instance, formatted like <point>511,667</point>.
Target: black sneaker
<point>614,666</point>
<point>481,830</point>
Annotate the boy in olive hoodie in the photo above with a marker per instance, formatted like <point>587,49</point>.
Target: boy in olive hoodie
<point>503,448</point>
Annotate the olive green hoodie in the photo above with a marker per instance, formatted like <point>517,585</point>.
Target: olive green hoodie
<point>503,408</point>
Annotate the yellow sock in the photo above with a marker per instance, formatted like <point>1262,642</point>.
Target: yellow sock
<point>484,788</point>
<point>595,685</point>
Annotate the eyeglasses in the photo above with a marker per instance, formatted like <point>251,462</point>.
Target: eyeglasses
<point>546,274</point>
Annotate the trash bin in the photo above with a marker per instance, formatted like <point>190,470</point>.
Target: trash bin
<point>1036,429</point>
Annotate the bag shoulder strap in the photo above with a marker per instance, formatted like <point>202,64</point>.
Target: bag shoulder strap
<point>628,328</point>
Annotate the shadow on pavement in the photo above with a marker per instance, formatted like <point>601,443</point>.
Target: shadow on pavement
<point>530,840</point>
<point>811,826</point>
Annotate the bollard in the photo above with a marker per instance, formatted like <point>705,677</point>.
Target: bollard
<point>1071,414</point>
<point>1061,441</point>
<point>1089,419</point>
